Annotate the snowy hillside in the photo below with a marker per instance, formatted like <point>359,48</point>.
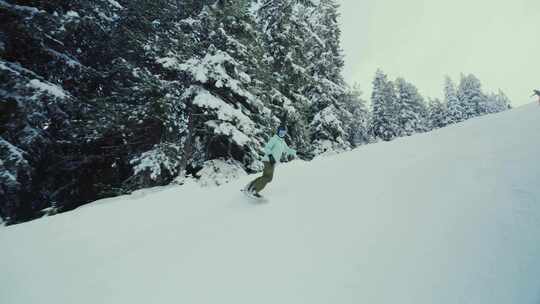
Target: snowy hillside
<point>451,216</point>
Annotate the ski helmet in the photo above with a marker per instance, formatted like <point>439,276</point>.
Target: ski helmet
<point>282,131</point>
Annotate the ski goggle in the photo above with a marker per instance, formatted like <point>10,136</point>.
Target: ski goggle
<point>282,133</point>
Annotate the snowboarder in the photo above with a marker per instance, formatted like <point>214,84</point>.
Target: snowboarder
<point>274,149</point>
<point>537,93</point>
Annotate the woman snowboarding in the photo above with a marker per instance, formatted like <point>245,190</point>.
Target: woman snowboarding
<point>273,151</point>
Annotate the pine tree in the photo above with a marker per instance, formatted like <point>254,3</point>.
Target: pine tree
<point>284,35</point>
<point>328,131</point>
<point>325,57</point>
<point>456,112</point>
<point>384,123</point>
<point>325,88</point>
<point>498,102</point>
<point>471,97</point>
<point>229,118</point>
<point>411,109</point>
<point>503,102</point>
<point>357,128</point>
<point>102,113</point>
<point>155,41</point>
<point>438,114</point>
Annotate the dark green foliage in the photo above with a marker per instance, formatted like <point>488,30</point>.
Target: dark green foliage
<point>78,143</point>
<point>99,98</point>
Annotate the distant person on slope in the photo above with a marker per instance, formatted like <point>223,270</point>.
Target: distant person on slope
<point>274,149</point>
<point>537,93</point>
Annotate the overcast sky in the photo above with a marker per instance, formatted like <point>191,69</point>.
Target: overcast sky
<point>423,40</point>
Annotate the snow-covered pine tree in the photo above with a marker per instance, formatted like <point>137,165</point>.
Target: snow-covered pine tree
<point>497,102</point>
<point>438,114</point>
<point>328,132</point>
<point>411,109</point>
<point>90,110</point>
<point>284,33</point>
<point>456,112</point>
<point>226,118</point>
<point>384,123</point>
<point>114,96</point>
<point>503,101</point>
<point>357,128</point>
<point>471,97</point>
<point>189,9</point>
<point>159,90</point>
<point>326,88</point>
<point>325,57</point>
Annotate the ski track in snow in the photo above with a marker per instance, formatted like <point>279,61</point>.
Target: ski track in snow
<point>450,216</point>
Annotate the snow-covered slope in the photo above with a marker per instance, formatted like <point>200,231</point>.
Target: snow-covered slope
<point>452,216</point>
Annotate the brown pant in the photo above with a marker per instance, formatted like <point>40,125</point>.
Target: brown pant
<point>261,182</point>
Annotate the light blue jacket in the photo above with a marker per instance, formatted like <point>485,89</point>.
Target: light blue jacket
<point>277,146</point>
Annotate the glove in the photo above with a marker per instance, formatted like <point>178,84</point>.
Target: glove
<point>271,159</point>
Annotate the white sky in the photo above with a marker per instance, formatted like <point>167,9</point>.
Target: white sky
<point>423,40</point>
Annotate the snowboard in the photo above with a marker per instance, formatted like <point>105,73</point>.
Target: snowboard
<point>253,198</point>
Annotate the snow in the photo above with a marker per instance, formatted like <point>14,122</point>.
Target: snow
<point>8,177</point>
<point>29,9</point>
<point>446,217</point>
<point>154,161</point>
<point>15,68</point>
<point>105,17</point>
<point>228,129</point>
<point>219,172</point>
<point>225,111</point>
<point>254,7</point>
<point>114,17</point>
<point>48,87</point>
<point>234,123</point>
<point>316,37</point>
<point>4,66</point>
<point>68,59</point>
<point>211,67</point>
<point>327,117</point>
<point>167,62</point>
<point>325,148</point>
<point>189,21</point>
<point>72,14</point>
<point>201,69</point>
<point>115,4</point>
<point>13,155</point>
<point>28,135</point>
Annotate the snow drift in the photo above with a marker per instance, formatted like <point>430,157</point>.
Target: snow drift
<point>450,216</point>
